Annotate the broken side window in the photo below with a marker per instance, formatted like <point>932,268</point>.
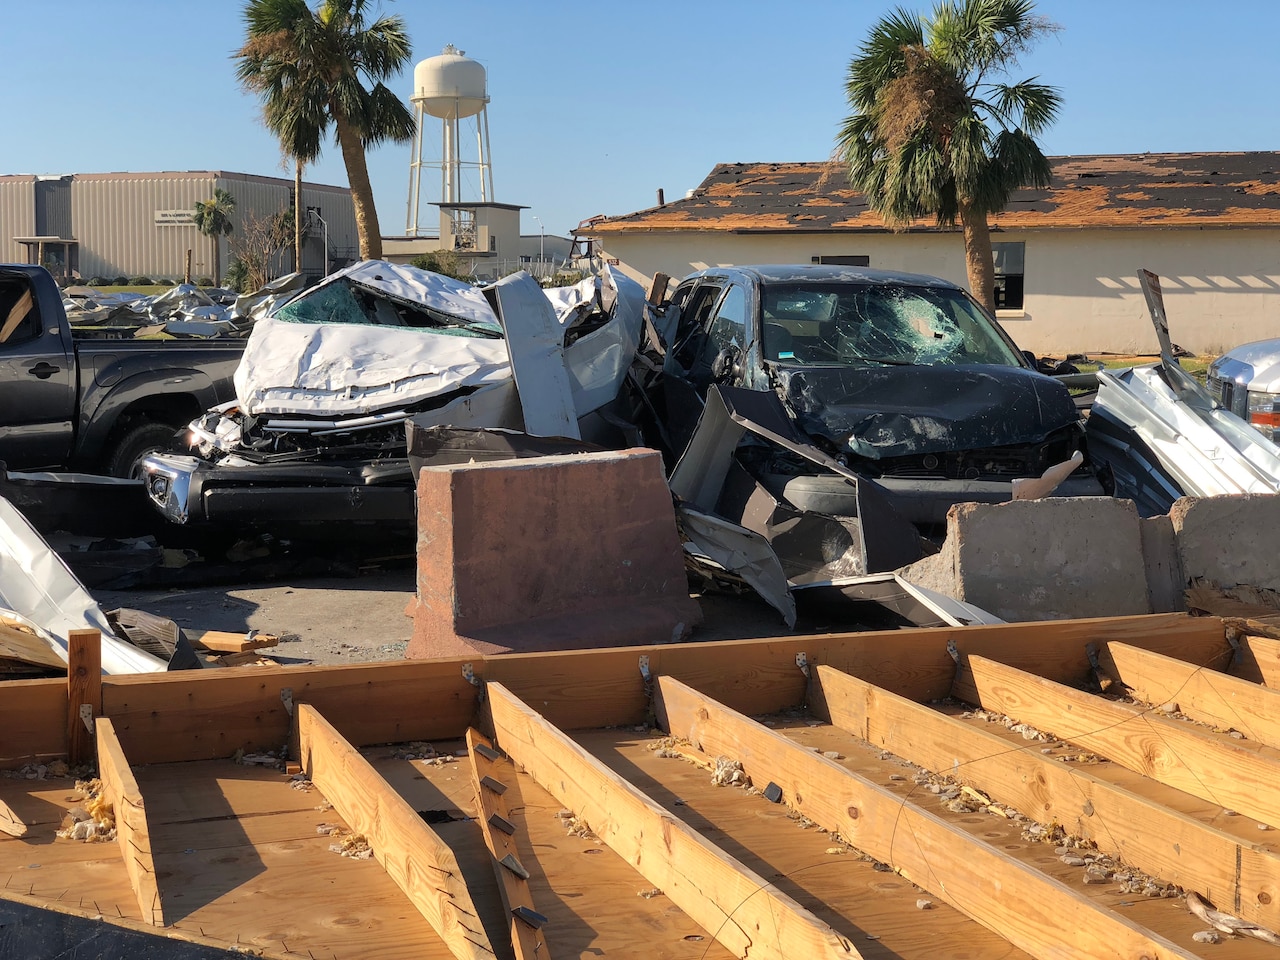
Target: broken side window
<point>19,318</point>
<point>728,328</point>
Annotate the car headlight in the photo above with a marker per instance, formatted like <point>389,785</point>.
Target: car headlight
<point>1264,413</point>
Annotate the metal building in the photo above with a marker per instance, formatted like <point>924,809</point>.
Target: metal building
<point>140,224</point>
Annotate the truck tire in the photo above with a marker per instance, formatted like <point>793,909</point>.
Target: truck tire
<point>147,437</point>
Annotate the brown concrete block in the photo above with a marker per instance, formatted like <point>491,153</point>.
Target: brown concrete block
<point>548,553</point>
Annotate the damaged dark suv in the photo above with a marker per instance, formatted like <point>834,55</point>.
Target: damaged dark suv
<point>900,377</point>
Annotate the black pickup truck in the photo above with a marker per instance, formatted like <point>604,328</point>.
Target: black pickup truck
<point>97,405</point>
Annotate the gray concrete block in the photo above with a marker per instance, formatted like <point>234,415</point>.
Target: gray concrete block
<point>1048,559</point>
<point>1230,540</point>
<point>1165,583</point>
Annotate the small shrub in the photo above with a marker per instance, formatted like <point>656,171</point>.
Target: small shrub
<point>98,282</point>
<point>140,282</point>
<point>205,282</point>
<point>237,276</point>
<point>120,282</point>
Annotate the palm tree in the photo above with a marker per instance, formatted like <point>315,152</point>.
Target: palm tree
<point>933,134</point>
<point>213,219</point>
<point>310,68</point>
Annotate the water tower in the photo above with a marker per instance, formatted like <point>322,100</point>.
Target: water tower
<point>450,87</point>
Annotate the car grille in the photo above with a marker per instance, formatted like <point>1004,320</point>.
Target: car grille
<point>992,463</point>
<point>1230,394</point>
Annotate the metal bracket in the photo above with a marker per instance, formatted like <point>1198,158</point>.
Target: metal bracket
<point>651,715</point>
<point>469,675</point>
<point>1091,651</point>
<point>86,716</point>
<point>953,650</point>
<point>1237,654</point>
<point>802,661</point>
<point>286,697</point>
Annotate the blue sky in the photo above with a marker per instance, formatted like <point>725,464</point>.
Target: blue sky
<point>595,106</point>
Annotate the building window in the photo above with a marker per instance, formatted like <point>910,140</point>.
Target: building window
<point>855,261</point>
<point>1009,262</point>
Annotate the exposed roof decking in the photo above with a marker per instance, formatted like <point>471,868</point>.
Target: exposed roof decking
<point>1139,190</point>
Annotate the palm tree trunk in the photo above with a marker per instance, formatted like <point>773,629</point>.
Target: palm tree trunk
<point>977,256</point>
<point>361,189</point>
<point>297,214</point>
<point>217,259</point>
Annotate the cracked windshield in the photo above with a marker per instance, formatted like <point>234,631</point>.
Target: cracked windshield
<point>896,325</point>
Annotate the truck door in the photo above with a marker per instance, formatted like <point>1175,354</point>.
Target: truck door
<point>37,379</point>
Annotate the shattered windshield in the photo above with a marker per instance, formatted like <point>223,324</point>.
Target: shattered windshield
<point>846,323</point>
<point>346,302</point>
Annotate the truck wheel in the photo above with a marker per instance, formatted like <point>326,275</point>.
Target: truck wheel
<point>147,437</point>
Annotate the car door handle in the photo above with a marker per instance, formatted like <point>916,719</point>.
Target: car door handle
<point>43,370</point>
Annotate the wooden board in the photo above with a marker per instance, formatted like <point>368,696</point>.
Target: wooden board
<point>1029,910</point>
<point>1258,660</point>
<point>1162,841</point>
<point>420,863</point>
<point>735,905</point>
<point>132,831</point>
<point>18,644</point>
<point>84,690</point>
<point>34,723</point>
<point>1202,694</point>
<point>222,641</point>
<point>499,831</point>
<point>1237,775</point>
<point>169,717</point>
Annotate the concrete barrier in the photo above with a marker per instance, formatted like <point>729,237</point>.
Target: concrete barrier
<point>1047,559</point>
<point>548,553</point>
<point>1229,541</point>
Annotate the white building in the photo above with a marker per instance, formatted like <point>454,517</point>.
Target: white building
<point>139,224</point>
<point>1066,258</point>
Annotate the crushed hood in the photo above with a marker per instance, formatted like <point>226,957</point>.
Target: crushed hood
<point>881,412</point>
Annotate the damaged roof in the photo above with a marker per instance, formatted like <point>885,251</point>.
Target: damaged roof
<point>1134,190</point>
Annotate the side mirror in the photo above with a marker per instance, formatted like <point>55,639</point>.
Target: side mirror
<point>727,366</point>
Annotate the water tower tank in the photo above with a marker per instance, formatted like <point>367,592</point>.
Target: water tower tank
<point>450,86</point>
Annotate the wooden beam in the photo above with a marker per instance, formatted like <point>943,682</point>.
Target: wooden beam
<point>1238,775</point>
<point>528,942</point>
<point>1202,694</point>
<point>1032,911</point>
<point>84,688</point>
<point>34,721</point>
<point>1258,660</point>
<point>222,641</point>
<point>211,714</point>
<point>1154,838</point>
<point>414,856</point>
<point>742,910</point>
<point>132,831</point>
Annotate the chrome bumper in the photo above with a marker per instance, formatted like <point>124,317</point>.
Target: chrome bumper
<point>168,482</point>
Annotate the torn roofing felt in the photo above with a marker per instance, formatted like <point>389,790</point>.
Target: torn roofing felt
<point>809,546</point>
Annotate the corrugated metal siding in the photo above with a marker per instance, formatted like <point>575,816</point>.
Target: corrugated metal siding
<point>53,208</point>
<point>17,216</point>
<point>336,208</point>
<point>258,199</point>
<point>114,218</point>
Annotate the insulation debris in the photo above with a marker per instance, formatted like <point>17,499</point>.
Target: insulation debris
<point>94,820</point>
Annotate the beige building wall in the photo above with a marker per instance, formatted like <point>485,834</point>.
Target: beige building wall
<point>1222,287</point>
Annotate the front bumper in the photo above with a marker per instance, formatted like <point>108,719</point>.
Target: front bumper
<point>285,498</point>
